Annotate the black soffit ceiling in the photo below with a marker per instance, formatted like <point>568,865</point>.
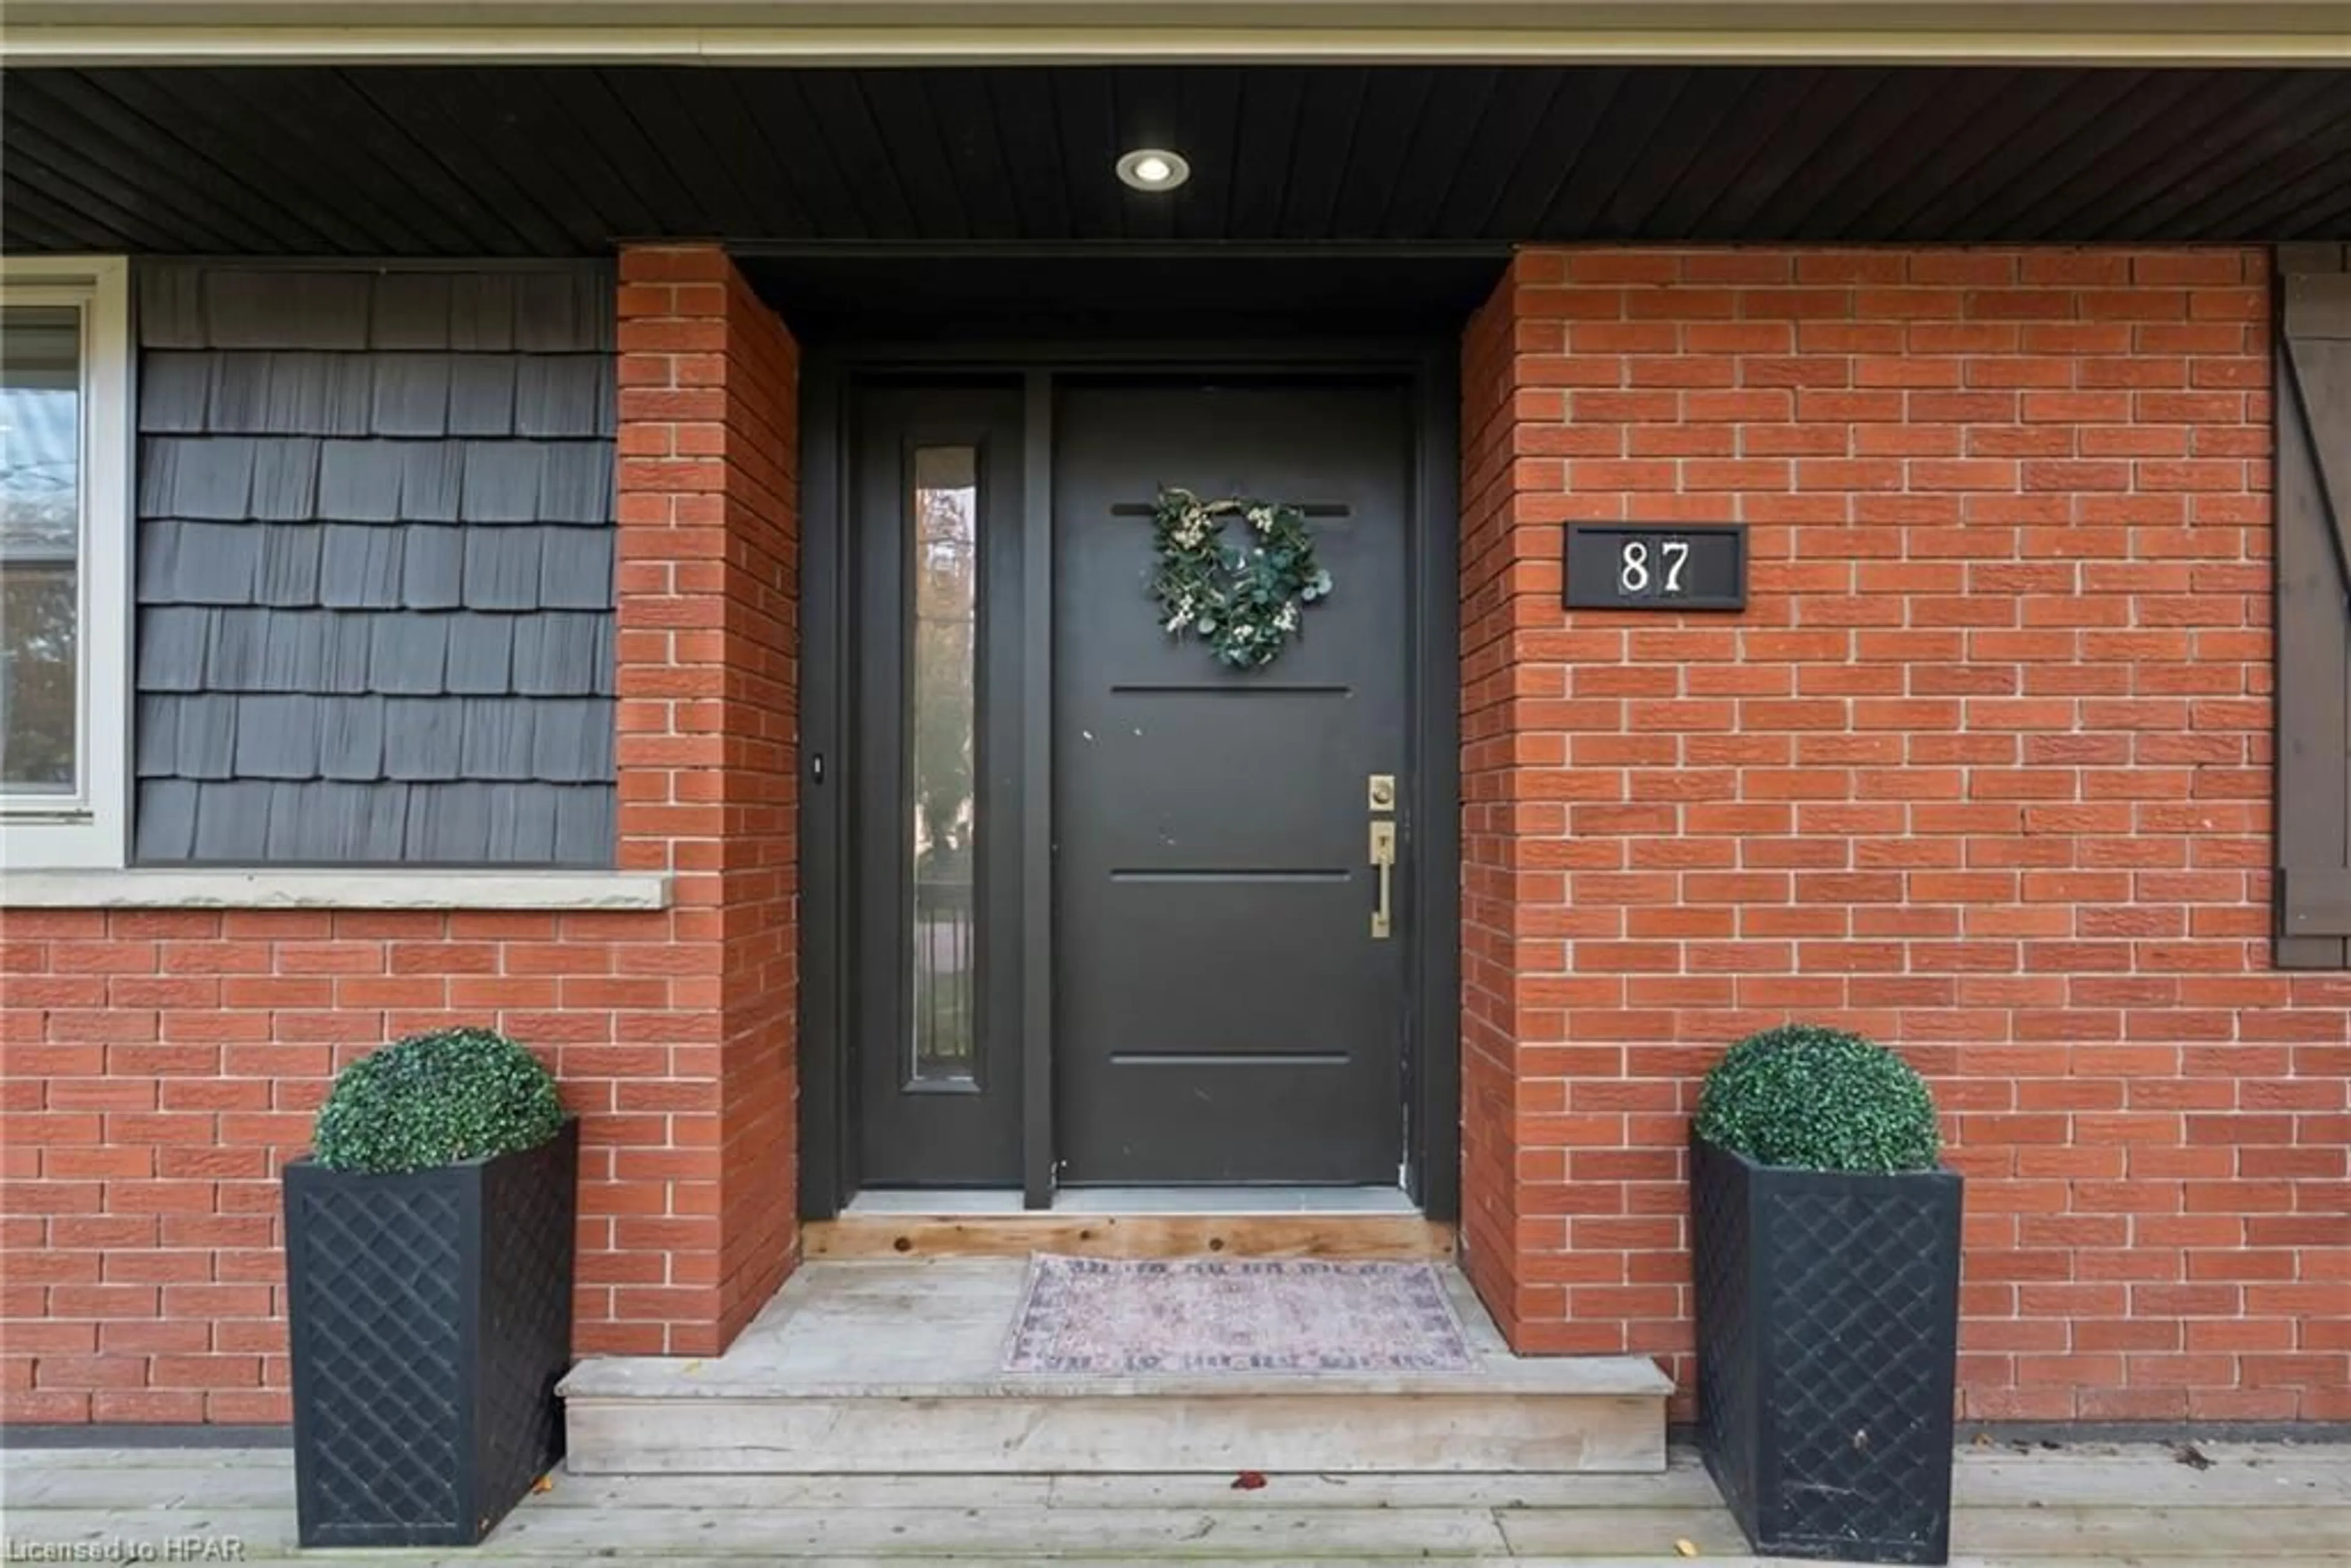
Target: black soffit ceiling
<point>393,161</point>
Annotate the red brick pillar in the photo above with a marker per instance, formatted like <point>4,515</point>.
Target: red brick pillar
<point>709,713</point>
<point>1495,905</point>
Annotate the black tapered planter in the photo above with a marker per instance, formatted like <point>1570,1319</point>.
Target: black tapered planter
<point>1827,1348</point>
<point>430,1318</point>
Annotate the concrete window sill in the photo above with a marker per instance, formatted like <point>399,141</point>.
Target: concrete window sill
<point>165,889</point>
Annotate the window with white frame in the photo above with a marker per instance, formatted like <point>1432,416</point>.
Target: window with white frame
<point>65,538</point>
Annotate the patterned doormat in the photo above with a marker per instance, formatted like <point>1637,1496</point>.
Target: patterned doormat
<point>1240,1315</point>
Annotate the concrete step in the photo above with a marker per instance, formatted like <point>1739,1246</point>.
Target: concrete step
<point>894,1369</point>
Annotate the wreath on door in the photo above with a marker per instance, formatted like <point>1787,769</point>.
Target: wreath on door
<point>1242,599</point>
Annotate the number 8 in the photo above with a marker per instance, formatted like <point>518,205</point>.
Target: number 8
<point>1632,567</point>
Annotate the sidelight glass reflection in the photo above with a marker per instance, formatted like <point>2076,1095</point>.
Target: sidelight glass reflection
<point>943,706</point>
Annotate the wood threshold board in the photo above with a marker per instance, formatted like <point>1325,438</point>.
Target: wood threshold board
<point>1276,1235</point>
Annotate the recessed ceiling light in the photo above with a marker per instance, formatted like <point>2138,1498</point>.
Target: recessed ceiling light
<point>1154,169</point>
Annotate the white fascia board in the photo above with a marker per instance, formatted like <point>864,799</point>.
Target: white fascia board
<point>2074,32</point>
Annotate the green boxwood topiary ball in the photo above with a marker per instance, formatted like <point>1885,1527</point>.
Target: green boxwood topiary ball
<point>434,1099</point>
<point>1819,1099</point>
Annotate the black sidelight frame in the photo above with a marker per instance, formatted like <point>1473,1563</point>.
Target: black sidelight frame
<point>832,375</point>
<point>931,1134</point>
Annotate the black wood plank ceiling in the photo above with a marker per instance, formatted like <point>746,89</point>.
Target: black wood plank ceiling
<point>553,161</point>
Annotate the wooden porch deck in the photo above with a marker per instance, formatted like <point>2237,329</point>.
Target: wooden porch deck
<point>2287,1505</point>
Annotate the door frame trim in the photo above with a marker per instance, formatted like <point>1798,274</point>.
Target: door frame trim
<point>828,1172</point>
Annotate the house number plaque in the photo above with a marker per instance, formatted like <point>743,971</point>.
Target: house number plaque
<point>1656,566</point>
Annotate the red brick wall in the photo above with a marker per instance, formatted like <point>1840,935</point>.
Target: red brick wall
<point>1983,770</point>
<point>157,1066</point>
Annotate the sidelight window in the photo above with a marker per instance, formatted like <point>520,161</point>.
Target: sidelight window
<point>942,750</point>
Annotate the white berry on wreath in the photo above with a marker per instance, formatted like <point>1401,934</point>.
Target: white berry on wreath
<point>1242,600</point>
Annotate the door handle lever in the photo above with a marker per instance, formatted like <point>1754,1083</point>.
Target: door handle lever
<point>1383,844</point>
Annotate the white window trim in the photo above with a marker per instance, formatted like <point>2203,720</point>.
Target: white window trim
<point>89,829</point>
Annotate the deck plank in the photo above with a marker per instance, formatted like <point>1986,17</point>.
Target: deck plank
<point>158,1486</point>
<point>2283,1506</point>
<point>2057,1528</point>
<point>2245,1535</point>
<point>2276,1483</point>
<point>1680,1486</point>
<point>1044,1533</point>
<point>818,1492</point>
<point>16,1458</point>
<point>895,1237</point>
<point>262,1532</point>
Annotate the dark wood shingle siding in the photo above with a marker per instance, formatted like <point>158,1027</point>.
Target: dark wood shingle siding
<point>2314,610</point>
<point>374,574</point>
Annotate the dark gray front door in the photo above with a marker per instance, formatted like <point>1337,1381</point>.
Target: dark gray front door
<point>1224,1010</point>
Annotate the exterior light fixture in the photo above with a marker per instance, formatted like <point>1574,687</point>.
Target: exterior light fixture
<point>1154,169</point>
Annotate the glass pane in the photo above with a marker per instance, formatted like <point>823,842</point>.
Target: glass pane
<point>943,694</point>
<point>40,532</point>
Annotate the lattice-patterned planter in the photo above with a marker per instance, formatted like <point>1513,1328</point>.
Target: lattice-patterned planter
<point>430,1315</point>
<point>1827,1346</point>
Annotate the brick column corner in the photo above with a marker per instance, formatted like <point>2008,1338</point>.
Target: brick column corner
<point>709,712</point>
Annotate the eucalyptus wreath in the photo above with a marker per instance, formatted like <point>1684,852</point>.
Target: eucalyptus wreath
<point>1243,600</point>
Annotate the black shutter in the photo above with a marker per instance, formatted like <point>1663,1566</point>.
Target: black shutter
<point>2314,609</point>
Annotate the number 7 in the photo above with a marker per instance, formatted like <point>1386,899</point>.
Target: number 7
<point>1677,555</point>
